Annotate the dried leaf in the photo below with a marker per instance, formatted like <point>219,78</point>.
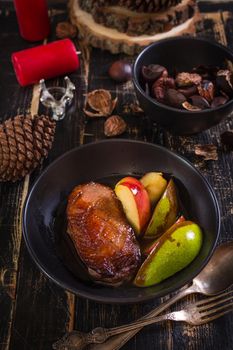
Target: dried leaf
<point>208,152</point>
<point>101,101</point>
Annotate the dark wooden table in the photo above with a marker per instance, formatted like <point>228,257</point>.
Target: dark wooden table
<point>34,312</point>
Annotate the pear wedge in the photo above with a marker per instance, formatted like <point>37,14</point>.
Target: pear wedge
<point>165,213</point>
<point>175,249</point>
<point>147,245</point>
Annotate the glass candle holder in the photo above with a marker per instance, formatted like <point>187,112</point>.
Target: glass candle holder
<point>57,97</point>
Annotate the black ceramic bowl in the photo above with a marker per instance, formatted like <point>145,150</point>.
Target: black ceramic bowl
<point>182,54</point>
<point>107,162</point>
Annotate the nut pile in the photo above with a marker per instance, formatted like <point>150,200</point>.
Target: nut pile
<point>203,88</point>
<point>101,104</point>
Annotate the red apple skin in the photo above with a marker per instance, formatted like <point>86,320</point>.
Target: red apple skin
<point>149,247</point>
<point>141,198</point>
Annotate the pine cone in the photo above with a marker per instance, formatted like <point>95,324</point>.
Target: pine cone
<point>24,143</point>
<point>145,6</point>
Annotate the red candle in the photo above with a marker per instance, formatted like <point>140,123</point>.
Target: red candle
<point>33,19</point>
<point>45,61</point>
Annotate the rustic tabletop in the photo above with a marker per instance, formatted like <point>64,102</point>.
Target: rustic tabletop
<point>35,312</point>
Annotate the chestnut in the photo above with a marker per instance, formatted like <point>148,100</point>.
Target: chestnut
<point>218,101</point>
<point>188,91</point>
<point>207,72</point>
<point>120,71</point>
<point>152,72</point>
<point>174,98</point>
<point>199,102</point>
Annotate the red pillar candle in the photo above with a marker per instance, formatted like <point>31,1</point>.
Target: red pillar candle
<point>45,61</point>
<point>33,19</point>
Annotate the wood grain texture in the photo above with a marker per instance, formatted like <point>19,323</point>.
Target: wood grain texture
<point>34,312</point>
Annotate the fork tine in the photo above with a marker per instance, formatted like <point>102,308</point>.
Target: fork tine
<point>216,309</point>
<point>215,303</point>
<point>208,300</point>
<point>214,317</point>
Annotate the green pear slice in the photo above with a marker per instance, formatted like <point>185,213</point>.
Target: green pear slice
<point>165,213</point>
<point>176,249</point>
<point>147,245</point>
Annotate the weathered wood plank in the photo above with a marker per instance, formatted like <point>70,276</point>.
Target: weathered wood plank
<point>33,288</point>
<point>40,312</point>
<point>11,196</point>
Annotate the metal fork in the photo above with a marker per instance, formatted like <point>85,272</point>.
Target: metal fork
<point>197,313</point>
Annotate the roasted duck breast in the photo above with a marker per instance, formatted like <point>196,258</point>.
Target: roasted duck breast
<point>101,234</point>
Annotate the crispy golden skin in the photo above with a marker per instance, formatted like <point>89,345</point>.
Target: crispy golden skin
<point>101,234</point>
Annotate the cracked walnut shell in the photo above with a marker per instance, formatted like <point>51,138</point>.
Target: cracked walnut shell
<point>101,102</point>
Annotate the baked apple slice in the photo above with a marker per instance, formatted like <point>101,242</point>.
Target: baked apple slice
<point>135,201</point>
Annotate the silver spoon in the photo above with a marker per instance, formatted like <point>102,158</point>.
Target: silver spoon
<point>216,276</point>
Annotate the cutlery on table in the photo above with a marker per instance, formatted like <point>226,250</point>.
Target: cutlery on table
<point>216,276</point>
<point>197,313</point>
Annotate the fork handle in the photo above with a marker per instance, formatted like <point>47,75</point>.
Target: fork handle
<point>117,341</point>
<point>135,325</point>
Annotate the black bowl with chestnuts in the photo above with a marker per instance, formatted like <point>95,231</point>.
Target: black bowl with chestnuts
<point>185,84</point>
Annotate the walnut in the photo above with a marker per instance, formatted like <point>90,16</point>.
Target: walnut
<point>66,30</point>
<point>101,102</point>
<point>114,126</point>
<point>187,79</point>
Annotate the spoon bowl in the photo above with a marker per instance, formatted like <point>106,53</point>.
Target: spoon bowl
<point>217,275</point>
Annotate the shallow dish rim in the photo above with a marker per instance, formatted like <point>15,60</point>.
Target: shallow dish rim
<point>112,299</point>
